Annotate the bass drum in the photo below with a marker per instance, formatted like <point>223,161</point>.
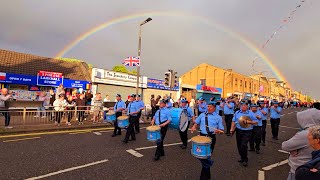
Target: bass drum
<point>179,119</point>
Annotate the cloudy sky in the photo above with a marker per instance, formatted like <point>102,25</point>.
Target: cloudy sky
<point>182,34</point>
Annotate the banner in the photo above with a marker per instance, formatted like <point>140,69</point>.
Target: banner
<point>69,83</point>
<point>17,79</point>
<point>45,78</point>
<point>159,84</point>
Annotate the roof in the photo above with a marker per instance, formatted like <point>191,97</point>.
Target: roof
<point>28,64</point>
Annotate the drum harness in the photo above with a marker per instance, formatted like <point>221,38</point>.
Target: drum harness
<point>207,126</point>
<point>160,118</point>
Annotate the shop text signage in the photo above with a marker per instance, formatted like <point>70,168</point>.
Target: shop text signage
<point>119,76</point>
<point>68,83</point>
<point>46,78</point>
<point>209,88</point>
<point>159,84</point>
<point>17,78</point>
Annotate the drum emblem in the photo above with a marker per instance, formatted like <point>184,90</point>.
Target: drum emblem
<point>151,136</point>
<point>198,149</point>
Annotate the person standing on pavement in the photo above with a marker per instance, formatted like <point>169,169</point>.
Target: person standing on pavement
<point>162,118</point>
<point>192,104</point>
<point>242,134</point>
<point>298,146</point>
<point>70,109</point>
<point>52,99</point>
<point>97,107</point>
<point>89,97</point>
<point>141,107</point>
<point>153,103</point>
<point>255,139</point>
<point>228,110</point>
<point>59,106</point>
<point>118,108</point>
<point>210,125</point>
<point>133,110</point>
<point>60,90</point>
<point>265,111</point>
<point>202,106</point>
<point>189,112</point>
<point>311,169</point>
<point>4,109</point>
<point>275,112</point>
<point>81,103</point>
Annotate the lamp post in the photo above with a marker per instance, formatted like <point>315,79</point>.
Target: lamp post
<point>139,53</point>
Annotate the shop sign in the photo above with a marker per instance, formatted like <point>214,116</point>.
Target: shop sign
<point>159,84</point>
<point>69,83</point>
<point>209,88</point>
<point>17,79</point>
<point>46,78</point>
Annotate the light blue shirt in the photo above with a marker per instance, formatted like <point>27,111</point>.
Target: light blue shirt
<point>189,112</point>
<point>164,116</point>
<point>265,117</point>
<point>258,113</point>
<point>218,108</point>
<point>120,104</point>
<point>228,110</point>
<point>169,105</point>
<point>274,114</point>
<point>238,114</point>
<point>140,104</point>
<point>203,107</point>
<point>133,107</point>
<point>214,122</point>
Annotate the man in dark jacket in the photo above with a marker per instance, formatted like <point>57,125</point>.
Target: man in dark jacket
<point>311,170</point>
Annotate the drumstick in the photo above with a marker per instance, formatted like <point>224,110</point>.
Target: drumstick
<point>214,128</point>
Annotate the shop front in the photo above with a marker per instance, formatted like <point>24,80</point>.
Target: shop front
<point>207,92</point>
<point>112,83</point>
<point>157,87</point>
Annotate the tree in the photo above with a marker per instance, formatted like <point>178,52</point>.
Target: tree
<point>73,60</point>
<point>134,72</point>
<point>309,99</point>
<point>120,68</point>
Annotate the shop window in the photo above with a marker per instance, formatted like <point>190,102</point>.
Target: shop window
<point>203,82</point>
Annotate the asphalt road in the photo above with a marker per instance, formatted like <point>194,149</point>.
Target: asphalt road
<point>96,155</point>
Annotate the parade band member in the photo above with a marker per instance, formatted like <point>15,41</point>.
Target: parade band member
<point>228,114</point>
<point>210,125</point>
<point>264,110</point>
<point>242,134</point>
<point>219,107</point>
<point>141,106</point>
<point>169,103</point>
<point>162,118</point>
<point>256,131</point>
<point>132,111</point>
<point>202,106</point>
<point>118,108</point>
<point>275,111</point>
<point>184,135</point>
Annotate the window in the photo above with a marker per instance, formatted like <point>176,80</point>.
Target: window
<point>236,81</point>
<point>240,83</point>
<point>249,85</point>
<point>245,84</point>
<point>203,82</point>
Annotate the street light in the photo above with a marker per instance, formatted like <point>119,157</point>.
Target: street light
<point>139,52</point>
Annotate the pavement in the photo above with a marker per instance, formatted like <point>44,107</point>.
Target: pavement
<point>94,154</point>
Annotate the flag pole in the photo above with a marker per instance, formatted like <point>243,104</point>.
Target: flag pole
<point>138,67</point>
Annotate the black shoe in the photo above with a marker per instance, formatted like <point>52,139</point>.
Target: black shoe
<point>251,150</point>
<point>240,161</point>
<point>245,164</point>
<point>276,138</point>
<point>162,154</point>
<point>263,144</point>
<point>258,151</point>
<point>119,134</point>
<point>156,158</point>
<point>113,135</point>
<point>184,147</point>
<point>125,141</point>
<point>181,145</point>
<point>228,134</point>
<point>132,139</point>
<point>137,132</point>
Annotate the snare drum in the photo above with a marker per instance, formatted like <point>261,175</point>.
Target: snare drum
<point>201,147</point>
<point>111,116</point>
<point>153,133</point>
<point>123,121</point>
<point>179,119</point>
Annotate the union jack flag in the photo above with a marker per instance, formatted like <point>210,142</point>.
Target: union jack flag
<point>131,61</point>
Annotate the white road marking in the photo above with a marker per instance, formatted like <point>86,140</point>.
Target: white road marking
<point>135,153</point>
<point>287,127</point>
<point>283,151</point>
<point>67,170</point>
<point>267,168</point>
<point>97,133</point>
<point>260,175</point>
<point>166,145</point>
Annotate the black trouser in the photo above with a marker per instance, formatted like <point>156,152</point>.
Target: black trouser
<point>213,139</point>
<point>255,138</point>
<point>80,115</point>
<point>51,111</point>
<point>58,115</point>
<point>243,137</point>
<point>263,130</point>
<point>184,135</point>
<point>130,129</point>
<point>137,123</point>
<point>117,130</point>
<point>228,120</point>
<point>70,115</point>
<point>160,149</point>
<point>220,112</point>
<point>6,115</point>
<point>275,127</point>
<point>153,111</point>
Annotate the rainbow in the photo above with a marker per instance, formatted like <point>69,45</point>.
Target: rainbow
<point>247,42</point>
